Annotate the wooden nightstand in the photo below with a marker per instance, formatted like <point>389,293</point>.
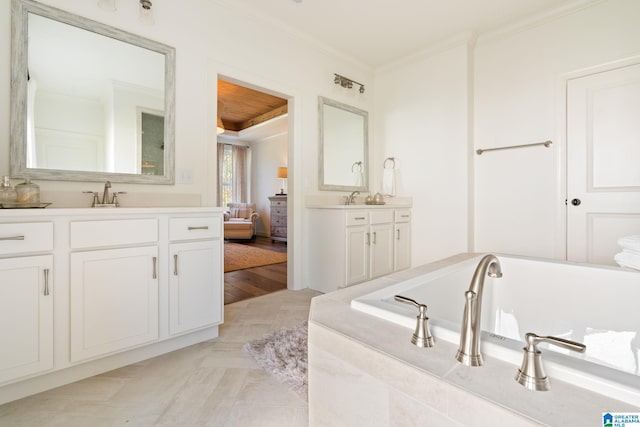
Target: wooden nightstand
<point>278,218</point>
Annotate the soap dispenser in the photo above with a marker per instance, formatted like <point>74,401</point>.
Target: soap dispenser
<point>7,193</point>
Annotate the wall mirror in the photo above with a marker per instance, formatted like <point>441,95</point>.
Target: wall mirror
<point>89,102</point>
<point>343,144</point>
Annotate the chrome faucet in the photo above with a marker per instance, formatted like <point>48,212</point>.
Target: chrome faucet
<point>469,350</point>
<point>105,193</point>
<point>108,201</point>
<point>351,199</point>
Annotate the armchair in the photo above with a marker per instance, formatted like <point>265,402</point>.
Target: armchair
<point>240,221</point>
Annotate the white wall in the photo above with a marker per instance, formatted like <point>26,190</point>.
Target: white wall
<point>421,119</point>
<point>212,39</point>
<point>520,193</point>
<point>267,155</point>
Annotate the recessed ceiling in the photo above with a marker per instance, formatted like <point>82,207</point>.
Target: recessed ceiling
<point>241,108</point>
<point>377,32</point>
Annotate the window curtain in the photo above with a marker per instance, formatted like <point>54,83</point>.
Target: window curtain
<point>219,174</point>
<point>239,173</point>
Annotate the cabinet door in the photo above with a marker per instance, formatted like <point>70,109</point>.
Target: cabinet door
<point>114,300</point>
<point>403,246</point>
<point>358,240</point>
<point>195,285</point>
<point>381,250</point>
<point>26,316</point>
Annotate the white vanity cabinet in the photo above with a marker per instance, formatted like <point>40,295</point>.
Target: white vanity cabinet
<point>351,245</point>
<point>195,276</point>
<point>26,299</point>
<point>118,298</point>
<point>114,292</point>
<point>369,245</point>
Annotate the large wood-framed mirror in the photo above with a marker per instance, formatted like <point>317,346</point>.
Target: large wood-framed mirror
<point>89,102</point>
<point>343,140</point>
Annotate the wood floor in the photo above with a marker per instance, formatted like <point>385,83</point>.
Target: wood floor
<point>252,282</point>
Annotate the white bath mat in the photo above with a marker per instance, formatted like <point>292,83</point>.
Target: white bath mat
<point>283,354</point>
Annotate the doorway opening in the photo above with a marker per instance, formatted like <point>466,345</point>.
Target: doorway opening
<point>253,147</point>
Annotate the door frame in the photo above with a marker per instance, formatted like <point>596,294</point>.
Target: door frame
<point>561,167</point>
<point>283,89</point>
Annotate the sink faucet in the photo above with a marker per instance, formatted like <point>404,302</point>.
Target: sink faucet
<point>351,199</point>
<point>469,350</point>
<point>105,194</point>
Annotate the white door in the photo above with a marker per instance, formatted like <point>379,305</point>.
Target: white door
<point>358,240</point>
<point>195,288</point>
<point>26,316</point>
<point>114,300</point>
<point>402,246</point>
<point>603,163</point>
<point>381,249</point>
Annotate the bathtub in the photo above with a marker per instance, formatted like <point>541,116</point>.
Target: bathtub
<point>595,305</point>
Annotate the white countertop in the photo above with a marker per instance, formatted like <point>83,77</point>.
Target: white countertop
<point>67,212</point>
<point>362,206</point>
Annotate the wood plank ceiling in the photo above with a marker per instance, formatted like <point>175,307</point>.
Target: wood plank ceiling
<point>240,107</point>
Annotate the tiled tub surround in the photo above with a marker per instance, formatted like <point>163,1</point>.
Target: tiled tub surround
<point>364,371</point>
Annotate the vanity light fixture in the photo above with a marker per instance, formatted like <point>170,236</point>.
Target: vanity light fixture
<point>346,82</point>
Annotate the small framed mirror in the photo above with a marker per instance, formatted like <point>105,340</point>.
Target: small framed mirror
<point>343,134</point>
<point>89,102</point>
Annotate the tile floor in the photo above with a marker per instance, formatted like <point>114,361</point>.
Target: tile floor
<point>208,384</point>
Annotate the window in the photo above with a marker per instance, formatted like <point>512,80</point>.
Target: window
<point>232,174</point>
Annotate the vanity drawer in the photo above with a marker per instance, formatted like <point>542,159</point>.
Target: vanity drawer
<point>25,237</point>
<point>403,215</point>
<point>357,218</point>
<point>194,228</point>
<point>117,232</point>
<point>381,216</point>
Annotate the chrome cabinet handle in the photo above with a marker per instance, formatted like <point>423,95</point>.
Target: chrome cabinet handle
<point>46,282</point>
<point>203,227</point>
<point>175,264</point>
<point>12,238</point>
<point>368,238</point>
<point>155,268</point>
<point>359,218</point>
<point>374,237</point>
<point>404,216</point>
<point>398,238</point>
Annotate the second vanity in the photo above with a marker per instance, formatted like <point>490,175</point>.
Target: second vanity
<point>350,244</point>
<point>84,291</point>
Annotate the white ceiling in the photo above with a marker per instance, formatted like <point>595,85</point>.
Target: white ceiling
<point>377,32</point>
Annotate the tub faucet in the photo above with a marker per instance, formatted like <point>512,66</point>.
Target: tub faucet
<point>469,350</point>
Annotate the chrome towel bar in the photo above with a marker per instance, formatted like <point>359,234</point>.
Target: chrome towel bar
<point>482,150</point>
